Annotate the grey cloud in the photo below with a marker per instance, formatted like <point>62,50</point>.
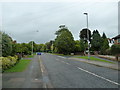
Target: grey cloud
<point>23,19</point>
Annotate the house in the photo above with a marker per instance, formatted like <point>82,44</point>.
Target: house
<point>116,39</point>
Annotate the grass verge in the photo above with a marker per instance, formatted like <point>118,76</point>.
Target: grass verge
<point>60,54</point>
<point>19,67</point>
<point>94,59</point>
<point>30,56</point>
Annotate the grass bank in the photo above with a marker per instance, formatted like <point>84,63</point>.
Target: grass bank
<point>94,59</point>
<point>19,67</point>
<point>61,54</point>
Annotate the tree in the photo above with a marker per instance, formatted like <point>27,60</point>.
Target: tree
<point>6,45</point>
<point>43,49</point>
<point>77,46</point>
<point>82,45</point>
<point>64,41</point>
<point>105,44</point>
<point>83,34</point>
<point>115,50</point>
<point>0,44</point>
<point>96,41</point>
<point>104,36</point>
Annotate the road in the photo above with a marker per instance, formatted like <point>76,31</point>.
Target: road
<point>53,71</point>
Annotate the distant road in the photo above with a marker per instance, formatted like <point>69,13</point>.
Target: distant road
<point>53,71</point>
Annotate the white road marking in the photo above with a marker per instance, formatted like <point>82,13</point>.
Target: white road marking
<point>57,59</point>
<point>68,63</point>
<point>36,79</point>
<point>63,61</point>
<point>98,76</point>
<point>62,57</point>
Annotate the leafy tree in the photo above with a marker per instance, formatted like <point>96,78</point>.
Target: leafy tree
<point>77,46</point>
<point>64,41</point>
<point>82,45</point>
<point>0,44</point>
<point>105,44</point>
<point>14,49</point>
<point>43,49</point>
<point>115,50</point>
<point>6,45</point>
<point>104,36</point>
<point>96,41</point>
<point>83,34</point>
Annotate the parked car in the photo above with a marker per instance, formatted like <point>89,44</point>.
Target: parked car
<point>39,53</point>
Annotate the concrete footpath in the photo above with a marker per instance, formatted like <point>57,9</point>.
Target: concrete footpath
<point>114,65</point>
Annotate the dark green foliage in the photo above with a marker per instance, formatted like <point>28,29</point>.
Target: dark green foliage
<point>77,46</point>
<point>64,41</point>
<point>83,34</point>
<point>115,49</point>
<point>82,45</point>
<point>104,45</point>
<point>0,44</point>
<point>6,45</point>
<point>48,46</point>
<point>104,36</point>
<point>96,41</point>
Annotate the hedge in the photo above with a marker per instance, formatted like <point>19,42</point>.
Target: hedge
<point>7,62</point>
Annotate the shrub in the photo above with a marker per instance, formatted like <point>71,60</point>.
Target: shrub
<point>7,62</point>
<point>115,50</point>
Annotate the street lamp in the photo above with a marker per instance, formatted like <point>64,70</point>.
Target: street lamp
<point>32,43</point>
<point>87,36</point>
<point>32,48</point>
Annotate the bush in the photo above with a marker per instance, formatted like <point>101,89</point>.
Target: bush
<point>7,62</point>
<point>115,50</point>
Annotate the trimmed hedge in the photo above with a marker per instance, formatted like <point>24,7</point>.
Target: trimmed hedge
<point>7,62</point>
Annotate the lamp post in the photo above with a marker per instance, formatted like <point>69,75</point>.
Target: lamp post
<point>32,43</point>
<point>87,36</point>
<point>32,48</point>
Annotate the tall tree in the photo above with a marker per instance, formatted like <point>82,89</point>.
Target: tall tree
<point>64,41</point>
<point>6,45</point>
<point>82,45</point>
<point>84,34</point>
<point>96,41</point>
<point>105,44</point>
<point>104,36</point>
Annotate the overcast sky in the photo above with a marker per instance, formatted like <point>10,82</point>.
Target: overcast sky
<point>22,20</point>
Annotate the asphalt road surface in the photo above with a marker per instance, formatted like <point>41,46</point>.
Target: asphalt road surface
<point>53,71</point>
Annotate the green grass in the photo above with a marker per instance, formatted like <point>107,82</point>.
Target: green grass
<point>20,66</point>
<point>60,54</point>
<point>57,54</point>
<point>94,59</point>
<point>30,56</point>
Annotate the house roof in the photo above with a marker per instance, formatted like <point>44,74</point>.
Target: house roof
<point>117,37</point>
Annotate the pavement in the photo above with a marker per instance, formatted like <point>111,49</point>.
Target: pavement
<point>30,78</point>
<point>53,71</point>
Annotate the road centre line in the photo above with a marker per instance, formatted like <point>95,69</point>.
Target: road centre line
<point>99,76</point>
